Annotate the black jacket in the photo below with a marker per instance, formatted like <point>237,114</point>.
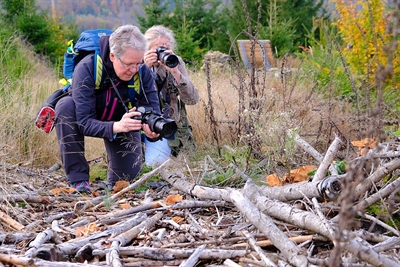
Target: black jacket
<point>90,104</point>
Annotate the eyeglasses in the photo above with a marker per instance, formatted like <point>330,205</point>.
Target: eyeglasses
<point>130,67</point>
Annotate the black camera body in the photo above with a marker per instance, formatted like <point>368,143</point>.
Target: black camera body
<point>167,59</point>
<point>165,127</point>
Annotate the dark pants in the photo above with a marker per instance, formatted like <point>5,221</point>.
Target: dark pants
<point>124,153</point>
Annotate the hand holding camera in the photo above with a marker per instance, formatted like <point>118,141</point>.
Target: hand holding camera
<point>161,55</point>
<point>165,127</point>
<point>168,59</point>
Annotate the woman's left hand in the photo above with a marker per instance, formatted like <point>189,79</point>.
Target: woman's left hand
<point>148,132</point>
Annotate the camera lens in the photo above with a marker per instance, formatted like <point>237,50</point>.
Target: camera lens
<point>165,127</point>
<point>170,60</point>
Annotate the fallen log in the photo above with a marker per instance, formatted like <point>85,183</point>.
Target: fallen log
<point>127,236</point>
<point>70,248</point>
<point>169,254</point>
<point>287,248</point>
<point>329,188</point>
<point>326,162</point>
<point>375,177</point>
<point>11,222</point>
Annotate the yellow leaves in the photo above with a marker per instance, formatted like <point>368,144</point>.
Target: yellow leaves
<point>294,176</point>
<point>363,24</point>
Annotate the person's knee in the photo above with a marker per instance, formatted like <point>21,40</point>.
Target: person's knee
<point>65,106</point>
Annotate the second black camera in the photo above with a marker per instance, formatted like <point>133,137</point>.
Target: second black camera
<point>170,60</point>
<point>165,127</point>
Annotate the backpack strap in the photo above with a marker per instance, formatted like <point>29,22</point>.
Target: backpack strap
<point>98,69</point>
<point>134,86</point>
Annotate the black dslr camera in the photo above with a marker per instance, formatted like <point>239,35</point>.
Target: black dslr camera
<point>165,127</point>
<point>169,60</point>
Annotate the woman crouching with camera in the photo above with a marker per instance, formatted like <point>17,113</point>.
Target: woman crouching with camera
<point>175,90</point>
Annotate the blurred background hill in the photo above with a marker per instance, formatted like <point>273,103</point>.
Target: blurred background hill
<point>92,14</point>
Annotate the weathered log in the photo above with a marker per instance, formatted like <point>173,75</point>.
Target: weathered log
<point>117,215</point>
<point>378,175</point>
<point>290,251</point>
<point>190,204</point>
<point>26,261</point>
<point>284,211</point>
<point>40,239</point>
<point>230,263</point>
<point>141,262</point>
<point>15,237</point>
<point>326,162</point>
<point>127,236</point>
<point>383,193</point>
<point>178,180</point>
<point>11,222</point>
<point>268,243</point>
<point>254,245</point>
<point>388,244</point>
<point>28,198</point>
<point>16,260</point>
<point>367,253</point>
<point>313,152</point>
<point>112,257</point>
<point>71,247</point>
<point>192,260</point>
<point>137,183</point>
<point>328,188</point>
<point>168,254</point>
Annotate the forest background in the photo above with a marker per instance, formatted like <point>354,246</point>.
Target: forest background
<point>334,75</point>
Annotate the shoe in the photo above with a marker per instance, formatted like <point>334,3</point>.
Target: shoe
<point>104,185</point>
<point>82,187</point>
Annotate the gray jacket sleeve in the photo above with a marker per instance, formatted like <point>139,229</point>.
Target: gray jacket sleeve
<point>187,91</point>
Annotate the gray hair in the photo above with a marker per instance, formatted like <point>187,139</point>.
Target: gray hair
<point>126,37</point>
<point>157,31</point>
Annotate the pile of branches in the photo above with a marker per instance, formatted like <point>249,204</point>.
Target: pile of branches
<point>182,222</point>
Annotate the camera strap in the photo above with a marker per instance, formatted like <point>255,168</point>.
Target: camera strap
<point>117,91</point>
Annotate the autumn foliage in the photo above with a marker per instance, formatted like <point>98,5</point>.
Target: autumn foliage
<point>368,44</point>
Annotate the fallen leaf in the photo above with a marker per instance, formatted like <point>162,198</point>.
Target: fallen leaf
<point>87,230</point>
<point>273,180</point>
<point>367,142</point>
<point>299,175</point>
<point>364,145</point>
<point>178,219</point>
<point>172,199</point>
<point>125,206</point>
<point>119,186</point>
<point>60,190</point>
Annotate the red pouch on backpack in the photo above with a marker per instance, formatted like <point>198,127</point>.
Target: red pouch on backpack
<point>46,116</point>
<point>45,119</point>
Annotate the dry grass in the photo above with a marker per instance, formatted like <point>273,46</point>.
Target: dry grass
<point>284,103</point>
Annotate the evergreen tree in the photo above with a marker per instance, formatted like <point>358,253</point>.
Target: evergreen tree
<point>285,23</point>
<point>155,14</point>
<point>209,18</point>
<point>199,25</point>
<point>41,31</point>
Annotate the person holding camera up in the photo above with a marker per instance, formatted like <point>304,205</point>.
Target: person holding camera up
<point>108,112</point>
<point>175,90</point>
